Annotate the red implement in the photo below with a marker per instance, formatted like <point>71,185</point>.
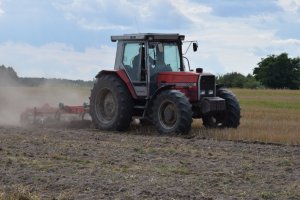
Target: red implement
<point>38,115</point>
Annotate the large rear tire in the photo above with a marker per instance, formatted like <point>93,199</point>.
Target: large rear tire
<point>228,119</point>
<point>111,105</point>
<point>172,112</point>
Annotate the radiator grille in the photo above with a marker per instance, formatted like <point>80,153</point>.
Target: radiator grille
<point>207,86</point>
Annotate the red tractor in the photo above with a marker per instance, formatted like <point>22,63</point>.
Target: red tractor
<point>150,81</point>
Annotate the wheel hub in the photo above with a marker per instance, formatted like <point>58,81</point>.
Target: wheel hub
<point>106,105</point>
<point>168,114</point>
<point>109,105</point>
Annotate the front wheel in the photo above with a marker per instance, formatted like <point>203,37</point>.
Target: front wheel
<point>230,118</point>
<point>172,112</point>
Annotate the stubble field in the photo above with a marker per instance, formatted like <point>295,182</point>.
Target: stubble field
<point>269,116</point>
<point>259,160</point>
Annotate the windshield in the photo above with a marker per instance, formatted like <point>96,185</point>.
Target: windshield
<point>164,57</point>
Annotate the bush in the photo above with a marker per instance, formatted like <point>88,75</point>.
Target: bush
<point>237,80</point>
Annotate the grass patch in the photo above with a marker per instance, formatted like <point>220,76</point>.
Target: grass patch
<point>270,116</point>
<point>70,160</point>
<point>267,195</point>
<point>18,193</point>
<point>169,169</point>
<point>270,104</point>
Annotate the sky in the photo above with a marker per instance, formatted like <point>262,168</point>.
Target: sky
<point>71,38</point>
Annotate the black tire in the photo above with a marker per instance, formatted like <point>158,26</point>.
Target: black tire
<point>172,112</point>
<point>228,119</point>
<point>111,105</point>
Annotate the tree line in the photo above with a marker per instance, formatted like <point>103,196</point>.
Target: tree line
<point>274,71</point>
<point>9,77</point>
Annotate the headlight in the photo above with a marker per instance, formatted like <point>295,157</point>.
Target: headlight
<point>202,92</point>
<point>210,92</point>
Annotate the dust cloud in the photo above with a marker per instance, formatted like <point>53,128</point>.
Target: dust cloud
<point>15,100</point>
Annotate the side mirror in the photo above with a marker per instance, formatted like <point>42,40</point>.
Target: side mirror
<point>195,46</point>
<point>199,70</point>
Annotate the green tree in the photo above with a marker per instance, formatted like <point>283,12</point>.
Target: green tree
<point>251,82</point>
<point>238,80</point>
<point>233,79</point>
<point>279,71</point>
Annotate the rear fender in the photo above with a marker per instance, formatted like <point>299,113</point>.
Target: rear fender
<point>122,75</point>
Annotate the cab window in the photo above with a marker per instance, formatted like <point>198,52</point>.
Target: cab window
<point>133,60</point>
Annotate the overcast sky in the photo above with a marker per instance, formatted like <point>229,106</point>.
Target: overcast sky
<point>71,38</point>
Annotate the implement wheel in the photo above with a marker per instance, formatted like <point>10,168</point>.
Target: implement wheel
<point>111,105</point>
<point>172,112</point>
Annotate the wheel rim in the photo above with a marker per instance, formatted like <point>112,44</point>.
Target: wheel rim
<point>167,114</point>
<point>105,106</point>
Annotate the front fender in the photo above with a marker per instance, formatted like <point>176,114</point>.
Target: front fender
<point>159,90</point>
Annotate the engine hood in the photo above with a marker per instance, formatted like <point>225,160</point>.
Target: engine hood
<point>178,77</point>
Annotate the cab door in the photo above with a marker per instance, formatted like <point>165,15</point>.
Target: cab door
<point>133,62</point>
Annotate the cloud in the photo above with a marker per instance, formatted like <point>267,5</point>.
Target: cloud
<point>97,15</point>
<point>123,14</point>
<point>56,60</point>
<point>1,9</point>
<point>90,25</point>
<point>191,10</point>
<point>294,42</point>
<point>241,8</point>
<point>218,36</point>
<point>236,43</point>
<point>289,5</point>
<point>63,40</point>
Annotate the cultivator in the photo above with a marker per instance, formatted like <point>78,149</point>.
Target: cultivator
<point>47,114</point>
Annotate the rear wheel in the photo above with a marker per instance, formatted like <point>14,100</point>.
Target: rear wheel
<point>111,105</point>
<point>172,112</point>
<point>230,118</point>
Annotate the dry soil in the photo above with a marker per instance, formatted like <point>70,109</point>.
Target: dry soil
<point>90,164</point>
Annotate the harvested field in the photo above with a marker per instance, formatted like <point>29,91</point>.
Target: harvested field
<point>88,164</point>
<point>68,163</point>
<point>269,116</point>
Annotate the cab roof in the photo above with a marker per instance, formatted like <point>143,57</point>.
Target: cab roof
<point>148,36</point>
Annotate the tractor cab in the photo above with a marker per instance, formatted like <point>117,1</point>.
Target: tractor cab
<point>144,56</point>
